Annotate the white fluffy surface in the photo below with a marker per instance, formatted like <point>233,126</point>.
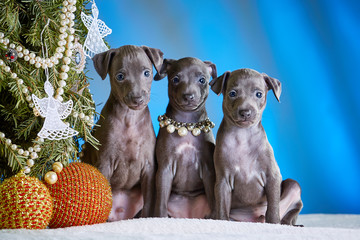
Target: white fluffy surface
<point>317,226</point>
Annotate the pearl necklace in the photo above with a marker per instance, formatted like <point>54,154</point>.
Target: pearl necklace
<point>63,52</point>
<point>183,128</point>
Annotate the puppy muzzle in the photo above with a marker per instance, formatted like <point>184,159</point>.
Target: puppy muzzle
<point>244,117</point>
<point>188,102</point>
<point>136,102</point>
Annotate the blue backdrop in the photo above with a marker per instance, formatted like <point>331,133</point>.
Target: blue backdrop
<point>312,47</point>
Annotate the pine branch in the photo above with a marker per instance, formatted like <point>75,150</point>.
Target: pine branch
<point>26,128</point>
<point>14,161</point>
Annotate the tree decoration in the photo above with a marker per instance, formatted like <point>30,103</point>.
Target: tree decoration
<point>25,202</point>
<point>54,111</point>
<point>79,57</point>
<point>94,42</point>
<point>21,25</point>
<point>11,55</point>
<point>82,196</point>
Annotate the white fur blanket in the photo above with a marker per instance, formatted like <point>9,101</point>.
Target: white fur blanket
<point>317,226</point>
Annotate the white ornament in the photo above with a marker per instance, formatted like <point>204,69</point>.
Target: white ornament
<point>97,30</point>
<point>53,111</point>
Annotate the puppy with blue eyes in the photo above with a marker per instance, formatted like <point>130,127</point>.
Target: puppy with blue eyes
<point>126,134</point>
<point>185,144</point>
<point>249,185</point>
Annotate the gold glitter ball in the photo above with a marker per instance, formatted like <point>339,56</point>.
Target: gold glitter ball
<point>25,202</point>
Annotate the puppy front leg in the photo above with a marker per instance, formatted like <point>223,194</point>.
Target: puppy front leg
<point>104,165</point>
<point>272,191</point>
<point>208,176</point>
<point>222,198</point>
<point>148,190</point>
<point>164,179</point>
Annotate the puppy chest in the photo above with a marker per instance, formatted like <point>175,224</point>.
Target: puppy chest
<point>187,167</point>
<point>248,174</point>
<point>131,141</point>
<point>247,182</point>
<point>248,189</point>
<point>128,157</point>
<point>187,154</point>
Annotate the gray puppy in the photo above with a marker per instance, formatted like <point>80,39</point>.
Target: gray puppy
<point>126,134</point>
<point>249,185</point>
<point>184,147</point>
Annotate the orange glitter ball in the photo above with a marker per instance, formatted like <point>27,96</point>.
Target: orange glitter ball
<point>81,195</point>
<point>25,202</point>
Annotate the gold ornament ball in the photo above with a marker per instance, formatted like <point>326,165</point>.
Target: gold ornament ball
<point>51,177</point>
<point>57,167</point>
<point>25,202</point>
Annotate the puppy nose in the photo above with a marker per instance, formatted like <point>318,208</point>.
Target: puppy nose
<point>188,97</point>
<point>245,113</point>
<point>137,100</point>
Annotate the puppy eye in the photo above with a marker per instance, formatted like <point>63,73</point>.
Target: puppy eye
<point>202,80</point>
<point>259,94</point>
<point>120,76</point>
<point>232,93</point>
<point>147,73</point>
<point>176,79</point>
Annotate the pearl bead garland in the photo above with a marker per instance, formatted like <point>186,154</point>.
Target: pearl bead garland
<point>29,154</point>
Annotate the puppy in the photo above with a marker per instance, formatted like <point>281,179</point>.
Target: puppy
<point>185,144</point>
<point>127,137</point>
<point>248,185</point>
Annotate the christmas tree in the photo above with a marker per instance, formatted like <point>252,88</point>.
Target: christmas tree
<point>41,66</point>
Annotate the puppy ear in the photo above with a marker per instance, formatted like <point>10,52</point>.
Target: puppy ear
<point>164,69</point>
<point>212,67</point>
<point>102,62</point>
<point>218,85</point>
<point>155,55</point>
<point>273,84</point>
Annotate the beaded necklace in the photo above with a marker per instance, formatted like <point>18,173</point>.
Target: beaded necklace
<point>183,128</point>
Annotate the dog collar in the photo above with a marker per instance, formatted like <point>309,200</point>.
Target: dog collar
<point>183,128</point>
